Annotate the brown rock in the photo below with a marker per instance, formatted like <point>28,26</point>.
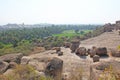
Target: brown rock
<point>75,45</point>
<point>54,69</point>
<point>101,51</point>
<point>3,66</point>
<point>92,52</point>
<point>12,57</point>
<point>81,51</point>
<point>96,58</point>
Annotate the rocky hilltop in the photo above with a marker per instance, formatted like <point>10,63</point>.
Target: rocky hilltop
<point>76,62</point>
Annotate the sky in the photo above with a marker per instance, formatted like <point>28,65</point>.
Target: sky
<point>59,11</point>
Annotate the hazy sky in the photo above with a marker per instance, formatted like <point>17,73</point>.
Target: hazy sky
<point>59,11</point>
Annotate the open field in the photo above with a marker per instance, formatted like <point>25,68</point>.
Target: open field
<point>72,33</point>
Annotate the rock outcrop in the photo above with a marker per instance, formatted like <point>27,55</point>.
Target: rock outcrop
<point>3,66</point>
<point>99,69</point>
<point>75,45</point>
<point>54,69</point>
<point>12,57</point>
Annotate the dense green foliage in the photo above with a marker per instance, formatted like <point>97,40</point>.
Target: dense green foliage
<point>23,39</point>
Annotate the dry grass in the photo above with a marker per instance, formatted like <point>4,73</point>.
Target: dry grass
<point>76,74</point>
<point>24,72</point>
<point>109,74</point>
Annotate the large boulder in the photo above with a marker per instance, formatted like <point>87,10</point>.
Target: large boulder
<point>81,51</point>
<point>75,45</point>
<point>67,44</point>
<point>54,68</point>
<point>104,69</point>
<point>12,57</point>
<point>3,66</point>
<point>102,51</point>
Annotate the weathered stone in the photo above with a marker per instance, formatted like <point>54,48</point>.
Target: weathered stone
<point>25,59</point>
<point>3,66</point>
<point>54,69</point>
<point>75,45</point>
<point>96,58</point>
<point>101,51</point>
<point>12,57</point>
<point>81,51</point>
